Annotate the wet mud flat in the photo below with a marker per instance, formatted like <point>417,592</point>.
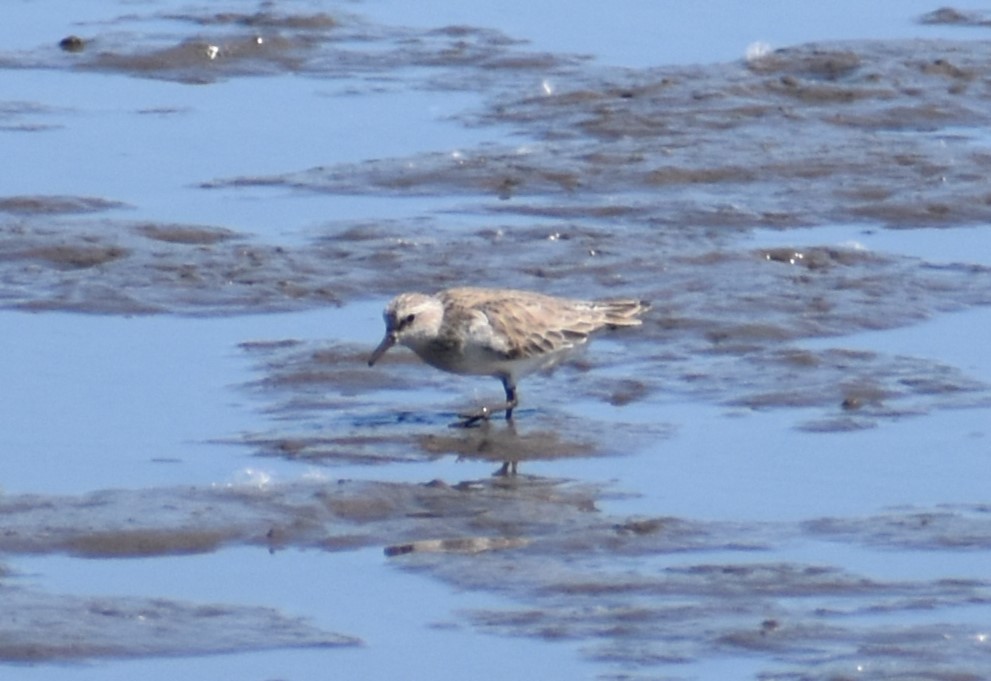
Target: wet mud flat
<point>608,182</point>
<point>637,591</point>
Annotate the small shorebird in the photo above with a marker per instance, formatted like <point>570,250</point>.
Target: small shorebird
<point>497,332</point>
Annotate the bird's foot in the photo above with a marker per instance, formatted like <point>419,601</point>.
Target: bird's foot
<point>472,419</point>
<point>482,414</point>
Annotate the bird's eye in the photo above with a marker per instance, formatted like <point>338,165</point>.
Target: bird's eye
<point>403,322</point>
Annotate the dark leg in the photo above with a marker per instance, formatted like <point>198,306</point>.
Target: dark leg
<point>510,397</point>
<point>508,469</point>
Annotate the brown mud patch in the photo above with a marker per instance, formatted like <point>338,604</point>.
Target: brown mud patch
<point>335,515</point>
<point>56,205</point>
<point>186,234</point>
<point>41,627</point>
<point>326,406</point>
<point>203,47</point>
<point>71,257</point>
<point>120,267</point>
<point>956,17</point>
<point>636,591</point>
<point>808,619</point>
<point>732,298</point>
<point>882,132</point>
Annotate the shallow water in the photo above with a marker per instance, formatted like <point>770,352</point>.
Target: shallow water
<point>782,474</point>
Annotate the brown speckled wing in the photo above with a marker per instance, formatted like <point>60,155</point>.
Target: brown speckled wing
<point>524,324</point>
<point>536,325</point>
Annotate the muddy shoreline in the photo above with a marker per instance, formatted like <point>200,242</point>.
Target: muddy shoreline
<point>602,182</point>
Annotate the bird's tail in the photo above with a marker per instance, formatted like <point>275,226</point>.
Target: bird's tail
<point>622,311</point>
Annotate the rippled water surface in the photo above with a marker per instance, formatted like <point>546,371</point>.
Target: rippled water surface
<point>783,474</point>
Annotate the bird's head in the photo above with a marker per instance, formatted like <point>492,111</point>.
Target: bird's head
<point>411,319</point>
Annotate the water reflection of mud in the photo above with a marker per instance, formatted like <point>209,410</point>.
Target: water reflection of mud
<point>637,591</point>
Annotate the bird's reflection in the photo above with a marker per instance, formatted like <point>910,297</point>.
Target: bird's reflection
<point>506,443</point>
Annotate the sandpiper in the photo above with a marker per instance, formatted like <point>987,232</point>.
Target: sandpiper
<point>504,333</point>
